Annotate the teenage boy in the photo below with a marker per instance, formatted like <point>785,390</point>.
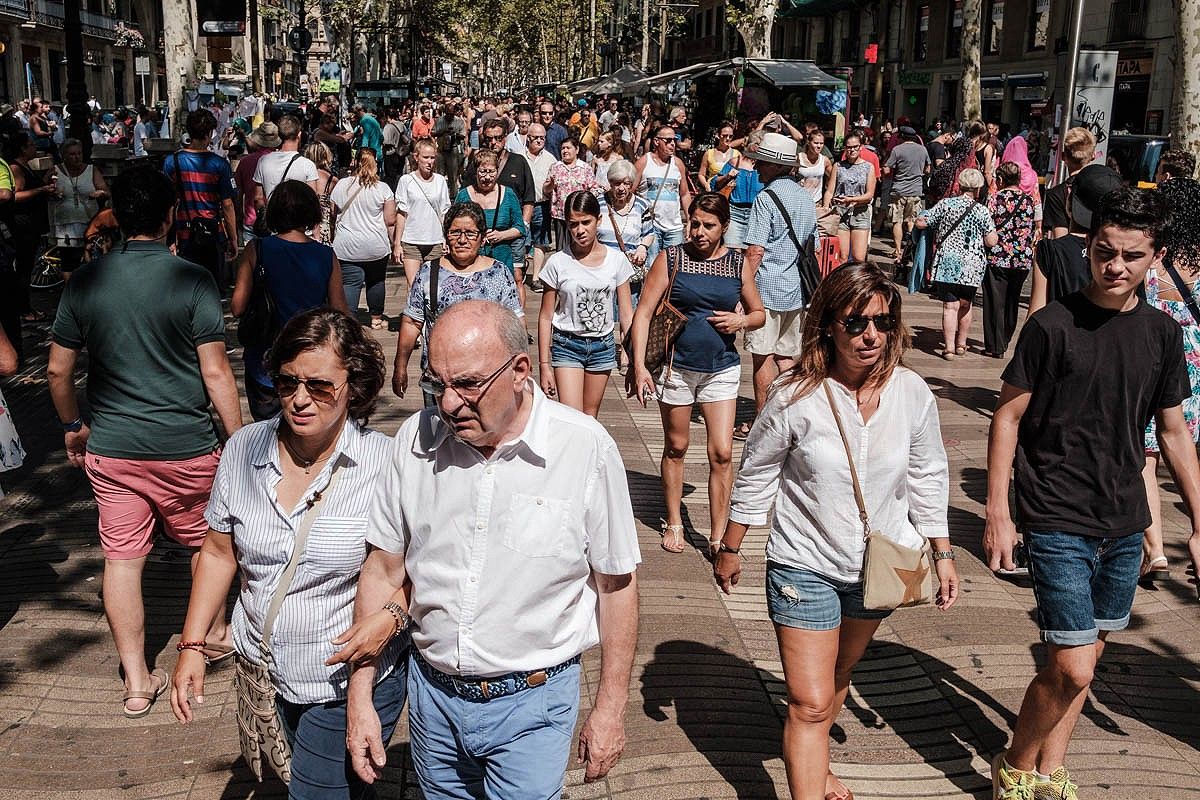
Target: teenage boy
<point>1089,372</point>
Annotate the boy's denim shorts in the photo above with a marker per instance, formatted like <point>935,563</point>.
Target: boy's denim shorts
<point>1082,584</point>
<point>594,354</point>
<point>801,598</point>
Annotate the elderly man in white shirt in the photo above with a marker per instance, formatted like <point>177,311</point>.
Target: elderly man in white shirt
<point>510,515</point>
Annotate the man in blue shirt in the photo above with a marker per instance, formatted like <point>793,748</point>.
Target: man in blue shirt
<point>556,134</point>
<point>367,133</point>
<point>771,253</point>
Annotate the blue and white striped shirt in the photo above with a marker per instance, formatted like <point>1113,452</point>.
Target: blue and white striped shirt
<point>320,602</point>
<point>778,277</point>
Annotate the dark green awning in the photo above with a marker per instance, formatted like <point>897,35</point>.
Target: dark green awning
<point>814,8</point>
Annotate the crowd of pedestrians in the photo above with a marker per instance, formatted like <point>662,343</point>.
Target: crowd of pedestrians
<point>374,572</point>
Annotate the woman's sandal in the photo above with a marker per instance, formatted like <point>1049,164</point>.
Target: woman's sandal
<point>840,791</point>
<point>672,538</point>
<point>379,324</point>
<point>742,432</point>
<point>1154,570</point>
<point>150,696</point>
<point>960,350</point>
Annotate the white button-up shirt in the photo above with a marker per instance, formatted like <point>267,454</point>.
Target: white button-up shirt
<point>320,601</point>
<point>794,457</point>
<point>501,550</point>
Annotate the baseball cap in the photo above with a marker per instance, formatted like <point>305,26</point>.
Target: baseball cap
<point>1088,188</point>
<point>906,130</point>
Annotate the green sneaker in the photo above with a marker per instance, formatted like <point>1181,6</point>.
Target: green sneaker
<point>1059,787</point>
<point>1009,783</point>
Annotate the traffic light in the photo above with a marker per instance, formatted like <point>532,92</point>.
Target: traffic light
<point>871,54</point>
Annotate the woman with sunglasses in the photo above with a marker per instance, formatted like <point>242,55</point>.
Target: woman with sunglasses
<point>503,223</point>
<point>853,193</point>
<point>300,274</point>
<point>717,156</point>
<point>577,346</point>
<point>299,486</point>
<point>853,343</point>
<point>463,274</point>
<point>708,283</point>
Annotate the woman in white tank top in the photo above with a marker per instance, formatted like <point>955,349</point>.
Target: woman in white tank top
<point>815,170</point>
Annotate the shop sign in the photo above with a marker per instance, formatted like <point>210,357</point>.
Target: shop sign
<point>998,11</point>
<point>1135,67</point>
<point>1027,94</point>
<point>991,93</point>
<point>915,78</point>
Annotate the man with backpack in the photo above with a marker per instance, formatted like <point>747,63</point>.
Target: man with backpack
<point>450,133</point>
<point>397,144</point>
<point>205,218</point>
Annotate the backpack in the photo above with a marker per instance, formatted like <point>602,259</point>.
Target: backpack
<point>449,139</point>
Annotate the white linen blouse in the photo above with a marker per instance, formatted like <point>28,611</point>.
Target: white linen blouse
<point>794,457</point>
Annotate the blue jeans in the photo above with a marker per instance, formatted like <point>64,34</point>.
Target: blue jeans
<point>801,598</point>
<point>317,732</point>
<point>512,747</point>
<point>1082,584</point>
<point>371,273</point>
<point>662,240</point>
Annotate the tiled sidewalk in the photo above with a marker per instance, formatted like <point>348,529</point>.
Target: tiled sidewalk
<point>933,699</point>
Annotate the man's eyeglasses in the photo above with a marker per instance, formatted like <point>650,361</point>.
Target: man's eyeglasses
<point>462,234</point>
<point>320,390</point>
<point>546,113</point>
<point>857,323</point>
<point>665,139</point>
<point>537,138</point>
<point>469,390</point>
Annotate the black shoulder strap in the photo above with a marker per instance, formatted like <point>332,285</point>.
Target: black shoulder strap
<point>178,178</point>
<point>938,241</point>
<point>288,168</point>
<point>1184,291</point>
<point>787,218</point>
<point>431,311</point>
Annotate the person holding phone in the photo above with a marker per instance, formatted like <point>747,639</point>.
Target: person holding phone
<point>706,281</point>
<point>853,192</point>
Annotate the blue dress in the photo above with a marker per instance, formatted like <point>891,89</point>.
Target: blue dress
<point>700,288</point>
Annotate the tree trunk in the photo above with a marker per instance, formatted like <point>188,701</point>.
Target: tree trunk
<point>179,39</point>
<point>754,26</point>
<point>1185,100</point>
<point>971,101</point>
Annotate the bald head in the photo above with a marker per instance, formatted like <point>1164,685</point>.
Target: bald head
<point>478,326</point>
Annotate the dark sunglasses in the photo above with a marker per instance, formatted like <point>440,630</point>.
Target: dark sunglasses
<point>537,138</point>
<point>856,323</point>
<point>320,390</point>
<point>469,390</point>
<point>499,138</point>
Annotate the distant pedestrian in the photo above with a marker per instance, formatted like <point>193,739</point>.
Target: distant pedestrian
<point>322,159</point>
<point>739,171</point>
<point>568,176</point>
<point>450,133</point>
<point>79,188</point>
<point>907,166</point>
<point>662,179</point>
<point>853,194</point>
<point>501,208</point>
<point>286,162</point>
<point>1009,260</point>
<point>1079,149</point>
<point>366,214</point>
<point>262,140</point>
<point>152,448</point>
<point>422,198</point>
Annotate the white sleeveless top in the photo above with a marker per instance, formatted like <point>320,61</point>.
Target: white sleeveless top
<point>812,178</point>
<point>661,182</point>
<point>70,215</point>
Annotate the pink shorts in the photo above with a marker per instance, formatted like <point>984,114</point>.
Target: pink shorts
<point>132,494</point>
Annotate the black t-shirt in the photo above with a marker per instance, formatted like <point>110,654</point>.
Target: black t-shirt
<point>1054,208</point>
<point>1096,379</point>
<point>937,152</point>
<point>1064,262</point>
<point>515,174</point>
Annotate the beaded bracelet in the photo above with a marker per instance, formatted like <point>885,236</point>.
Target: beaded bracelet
<point>197,646</point>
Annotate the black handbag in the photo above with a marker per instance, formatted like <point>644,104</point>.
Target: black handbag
<point>259,323</point>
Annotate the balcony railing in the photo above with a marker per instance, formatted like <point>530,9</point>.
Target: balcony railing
<point>51,14</point>
<point>18,7</point>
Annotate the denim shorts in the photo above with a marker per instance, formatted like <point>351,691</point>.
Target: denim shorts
<point>594,354</point>
<point>1082,584</point>
<point>801,598</point>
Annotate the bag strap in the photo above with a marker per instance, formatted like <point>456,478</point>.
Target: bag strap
<point>289,572</point>
<point>662,183</point>
<point>353,196</point>
<point>787,218</point>
<point>431,302</point>
<point>287,169</point>
<point>937,242</point>
<point>1184,292</point>
<point>858,495</point>
<point>616,228</point>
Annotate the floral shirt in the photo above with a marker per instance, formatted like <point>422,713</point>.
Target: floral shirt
<point>1013,214</point>
<point>494,283</point>
<point>1157,281</point>
<point>960,256</point>
<point>576,177</point>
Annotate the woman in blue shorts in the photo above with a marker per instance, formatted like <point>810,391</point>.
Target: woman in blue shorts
<point>796,461</point>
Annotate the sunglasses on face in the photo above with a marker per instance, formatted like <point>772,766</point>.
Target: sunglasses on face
<point>320,390</point>
<point>469,390</point>
<point>537,138</point>
<point>857,323</point>
<point>494,138</point>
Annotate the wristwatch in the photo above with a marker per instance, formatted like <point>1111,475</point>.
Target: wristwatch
<point>74,426</point>
<point>941,555</point>
<point>724,548</point>
<point>402,617</point>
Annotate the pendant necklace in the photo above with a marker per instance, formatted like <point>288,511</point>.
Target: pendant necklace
<point>304,463</point>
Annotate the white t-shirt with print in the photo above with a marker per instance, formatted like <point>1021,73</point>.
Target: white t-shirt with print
<point>585,294</point>
<point>269,171</point>
<point>424,204</point>
<point>362,235</point>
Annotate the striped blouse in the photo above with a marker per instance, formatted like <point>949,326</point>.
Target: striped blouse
<point>320,602</point>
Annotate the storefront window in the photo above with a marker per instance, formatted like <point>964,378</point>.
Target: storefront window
<point>1039,24</point>
<point>994,28</point>
<point>921,37</point>
<point>954,31</point>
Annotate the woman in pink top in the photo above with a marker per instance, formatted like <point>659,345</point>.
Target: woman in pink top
<point>567,176</point>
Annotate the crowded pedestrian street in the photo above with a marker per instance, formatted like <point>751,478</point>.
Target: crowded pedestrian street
<point>933,697</point>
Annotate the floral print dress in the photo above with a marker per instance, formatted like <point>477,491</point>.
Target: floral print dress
<point>1013,214</point>
<point>1158,281</point>
<point>960,257</point>
<point>575,177</point>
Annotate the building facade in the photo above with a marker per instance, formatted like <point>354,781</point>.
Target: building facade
<point>918,72</point>
<point>119,36</point>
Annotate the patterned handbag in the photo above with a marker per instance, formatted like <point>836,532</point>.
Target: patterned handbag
<point>665,326</point>
<point>260,732</point>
